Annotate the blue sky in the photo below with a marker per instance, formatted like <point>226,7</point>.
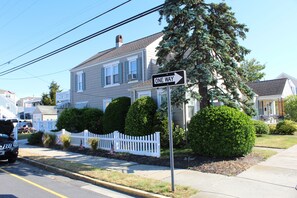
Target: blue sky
<point>26,24</point>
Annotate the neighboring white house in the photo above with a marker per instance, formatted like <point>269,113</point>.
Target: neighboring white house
<point>8,108</point>
<point>26,107</point>
<point>44,113</point>
<point>62,101</point>
<point>270,95</point>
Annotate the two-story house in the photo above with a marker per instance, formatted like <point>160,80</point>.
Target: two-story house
<point>124,70</point>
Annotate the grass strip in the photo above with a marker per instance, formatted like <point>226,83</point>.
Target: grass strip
<point>133,181</point>
<point>276,141</point>
<point>264,153</point>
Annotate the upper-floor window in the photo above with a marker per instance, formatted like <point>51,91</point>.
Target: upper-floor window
<point>112,74</point>
<point>80,81</point>
<point>133,68</point>
<point>132,75</point>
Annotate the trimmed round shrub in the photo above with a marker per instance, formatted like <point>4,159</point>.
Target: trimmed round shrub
<point>92,120</point>
<point>221,132</point>
<point>286,127</point>
<point>140,117</point>
<point>261,127</point>
<point>70,120</point>
<point>77,120</point>
<point>35,138</point>
<point>115,115</point>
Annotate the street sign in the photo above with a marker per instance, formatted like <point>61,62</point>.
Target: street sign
<point>169,78</point>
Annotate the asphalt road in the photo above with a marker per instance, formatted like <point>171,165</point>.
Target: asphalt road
<point>25,181</point>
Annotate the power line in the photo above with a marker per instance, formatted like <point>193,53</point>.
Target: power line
<point>51,40</point>
<point>135,17</point>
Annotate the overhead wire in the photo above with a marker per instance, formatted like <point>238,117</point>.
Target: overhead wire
<point>121,23</point>
<point>68,31</point>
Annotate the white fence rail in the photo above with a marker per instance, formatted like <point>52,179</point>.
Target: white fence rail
<point>139,145</point>
<point>45,126</point>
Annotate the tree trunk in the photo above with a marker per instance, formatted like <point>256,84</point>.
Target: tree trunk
<point>204,96</point>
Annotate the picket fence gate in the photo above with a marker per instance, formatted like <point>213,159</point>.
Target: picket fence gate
<point>117,142</point>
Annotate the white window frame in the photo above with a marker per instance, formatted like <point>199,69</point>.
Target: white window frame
<point>160,92</point>
<point>112,66</point>
<point>106,102</point>
<point>79,76</point>
<point>130,74</point>
<point>143,94</point>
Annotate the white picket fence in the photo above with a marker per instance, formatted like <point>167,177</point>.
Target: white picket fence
<point>45,126</point>
<point>117,142</point>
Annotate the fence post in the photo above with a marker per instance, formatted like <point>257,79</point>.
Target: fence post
<point>116,140</point>
<point>63,131</point>
<point>158,144</point>
<point>86,137</point>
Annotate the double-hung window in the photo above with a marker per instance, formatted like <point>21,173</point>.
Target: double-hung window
<point>132,70</point>
<point>80,80</point>
<point>111,72</point>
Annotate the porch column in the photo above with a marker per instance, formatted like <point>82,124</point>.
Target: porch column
<point>273,108</point>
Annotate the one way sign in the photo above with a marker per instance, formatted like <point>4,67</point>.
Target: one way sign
<point>170,78</point>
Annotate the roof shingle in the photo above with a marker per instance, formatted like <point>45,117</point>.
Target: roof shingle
<point>120,51</point>
<point>268,87</point>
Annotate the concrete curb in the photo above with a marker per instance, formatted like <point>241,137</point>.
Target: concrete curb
<point>124,189</point>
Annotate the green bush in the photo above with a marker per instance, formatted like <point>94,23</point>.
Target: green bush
<point>92,120</point>
<point>6,127</point>
<point>221,132</point>
<point>70,120</point>
<point>286,127</point>
<point>115,115</point>
<point>66,140</point>
<point>272,128</point>
<point>261,127</point>
<point>48,139</point>
<point>93,142</point>
<point>35,138</point>
<point>161,125</point>
<point>140,117</point>
<point>77,120</point>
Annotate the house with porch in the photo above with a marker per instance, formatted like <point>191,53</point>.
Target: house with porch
<point>123,70</point>
<point>269,99</point>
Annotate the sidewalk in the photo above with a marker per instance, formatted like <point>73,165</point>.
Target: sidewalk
<point>276,177</point>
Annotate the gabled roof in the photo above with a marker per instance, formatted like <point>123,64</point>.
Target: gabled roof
<point>268,87</point>
<point>120,51</point>
<point>46,110</point>
<point>284,75</point>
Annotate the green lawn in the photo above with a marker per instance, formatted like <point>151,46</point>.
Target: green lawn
<point>276,141</point>
<point>22,136</point>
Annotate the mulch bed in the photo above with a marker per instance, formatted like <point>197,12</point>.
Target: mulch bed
<point>224,166</point>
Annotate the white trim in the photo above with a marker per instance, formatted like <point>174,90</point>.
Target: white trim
<point>144,93</point>
<point>134,81</point>
<point>132,58</point>
<point>77,80</point>
<point>111,64</point>
<point>111,85</point>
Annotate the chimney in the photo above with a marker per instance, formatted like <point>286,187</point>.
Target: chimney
<point>119,41</point>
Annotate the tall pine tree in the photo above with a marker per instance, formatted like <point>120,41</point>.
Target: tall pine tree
<point>202,39</point>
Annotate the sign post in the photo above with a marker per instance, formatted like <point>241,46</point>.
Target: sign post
<point>169,79</point>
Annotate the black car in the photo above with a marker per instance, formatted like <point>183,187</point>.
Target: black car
<point>9,148</point>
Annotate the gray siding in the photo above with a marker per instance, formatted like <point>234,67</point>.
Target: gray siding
<point>94,93</point>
